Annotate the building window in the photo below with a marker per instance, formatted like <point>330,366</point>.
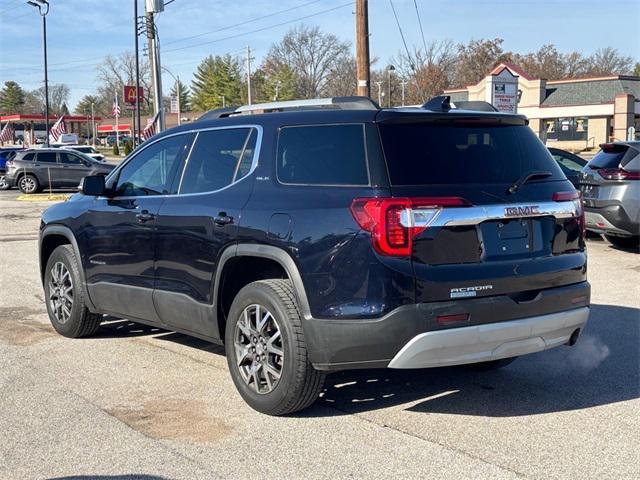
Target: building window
<point>566,128</point>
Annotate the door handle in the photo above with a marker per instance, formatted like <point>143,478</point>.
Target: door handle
<point>223,219</point>
<point>145,216</point>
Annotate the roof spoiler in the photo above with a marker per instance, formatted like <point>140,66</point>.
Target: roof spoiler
<point>442,103</point>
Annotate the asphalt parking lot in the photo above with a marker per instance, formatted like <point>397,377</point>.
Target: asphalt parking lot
<point>137,402</point>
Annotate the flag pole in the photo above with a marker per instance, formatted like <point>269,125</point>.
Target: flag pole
<point>117,129</point>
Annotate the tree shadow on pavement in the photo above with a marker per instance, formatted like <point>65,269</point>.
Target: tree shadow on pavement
<point>131,476</point>
<point>602,368</point>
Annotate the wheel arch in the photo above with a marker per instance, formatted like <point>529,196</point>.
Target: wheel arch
<point>51,237</point>
<point>279,264</point>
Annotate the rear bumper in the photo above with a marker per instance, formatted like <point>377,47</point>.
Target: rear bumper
<point>376,343</point>
<point>492,341</point>
<point>610,220</point>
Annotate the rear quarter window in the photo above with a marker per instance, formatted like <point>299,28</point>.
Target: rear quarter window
<point>322,155</point>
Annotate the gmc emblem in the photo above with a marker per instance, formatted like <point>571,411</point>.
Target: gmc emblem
<point>522,211</point>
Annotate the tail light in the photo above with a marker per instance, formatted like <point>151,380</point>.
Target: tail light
<point>618,174</point>
<point>394,222</point>
<point>576,197</point>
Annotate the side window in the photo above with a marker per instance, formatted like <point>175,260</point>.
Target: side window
<point>69,158</point>
<point>151,171</point>
<point>322,155</point>
<point>567,164</point>
<point>218,158</point>
<point>29,156</point>
<point>46,157</point>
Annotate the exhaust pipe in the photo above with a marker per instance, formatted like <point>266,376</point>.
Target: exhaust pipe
<point>573,338</point>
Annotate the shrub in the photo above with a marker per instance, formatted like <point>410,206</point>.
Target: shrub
<point>116,150</point>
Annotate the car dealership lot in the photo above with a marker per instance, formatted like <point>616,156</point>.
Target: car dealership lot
<point>139,401</point>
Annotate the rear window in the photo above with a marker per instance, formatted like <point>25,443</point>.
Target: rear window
<point>614,156</point>
<point>322,155</point>
<point>447,153</point>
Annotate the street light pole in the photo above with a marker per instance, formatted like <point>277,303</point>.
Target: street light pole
<point>390,69</point>
<point>93,126</point>
<point>224,104</point>
<point>39,4</point>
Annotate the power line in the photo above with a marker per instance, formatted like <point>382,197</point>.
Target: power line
<point>415,3</point>
<point>261,29</point>
<point>402,35</point>
<point>241,23</point>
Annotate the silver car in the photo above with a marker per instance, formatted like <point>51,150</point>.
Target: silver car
<point>610,184</point>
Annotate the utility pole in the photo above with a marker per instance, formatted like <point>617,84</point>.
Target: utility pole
<point>136,133</point>
<point>363,68</point>
<point>249,74</point>
<point>152,6</point>
<point>39,4</point>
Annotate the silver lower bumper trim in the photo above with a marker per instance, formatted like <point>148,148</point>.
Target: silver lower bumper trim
<point>491,341</point>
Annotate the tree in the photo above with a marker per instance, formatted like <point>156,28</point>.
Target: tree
<point>33,104</point>
<point>12,98</point>
<point>550,64</point>
<point>608,61</point>
<point>273,81</point>
<point>636,69</point>
<point>477,59</point>
<point>114,72</point>
<point>84,105</point>
<point>216,77</point>
<point>58,98</point>
<point>310,55</point>
<point>342,78</point>
<point>185,105</point>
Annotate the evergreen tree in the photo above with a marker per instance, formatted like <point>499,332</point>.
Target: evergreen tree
<point>12,98</point>
<point>216,77</point>
<point>84,105</point>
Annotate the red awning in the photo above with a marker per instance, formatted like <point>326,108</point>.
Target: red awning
<point>123,127</point>
<point>18,117</point>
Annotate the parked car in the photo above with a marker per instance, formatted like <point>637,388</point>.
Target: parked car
<point>34,169</point>
<point>6,153</point>
<point>327,235</point>
<point>87,150</point>
<point>610,184</point>
<point>570,163</point>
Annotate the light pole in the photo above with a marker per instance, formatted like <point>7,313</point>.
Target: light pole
<point>404,83</point>
<point>390,69</point>
<point>379,83</point>
<point>39,4</point>
<point>278,83</point>
<point>93,126</point>
<point>177,81</point>
<point>224,103</point>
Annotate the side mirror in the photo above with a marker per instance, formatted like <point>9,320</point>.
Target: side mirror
<point>93,185</point>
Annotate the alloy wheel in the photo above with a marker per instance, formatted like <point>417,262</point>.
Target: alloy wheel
<point>258,347</point>
<point>27,184</point>
<point>61,292</point>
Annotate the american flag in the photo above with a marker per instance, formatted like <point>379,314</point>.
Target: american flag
<point>6,135</point>
<point>115,111</point>
<point>57,130</point>
<point>150,130</point>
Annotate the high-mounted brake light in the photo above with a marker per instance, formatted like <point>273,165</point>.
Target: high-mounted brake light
<point>391,221</point>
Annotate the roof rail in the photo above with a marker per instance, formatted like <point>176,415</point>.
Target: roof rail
<point>217,113</point>
<point>341,103</point>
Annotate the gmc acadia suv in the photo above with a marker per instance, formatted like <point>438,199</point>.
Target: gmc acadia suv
<point>324,235</point>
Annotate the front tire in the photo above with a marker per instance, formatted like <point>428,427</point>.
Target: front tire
<point>266,349</point>
<point>624,242</point>
<point>3,182</point>
<point>28,184</point>
<point>65,295</point>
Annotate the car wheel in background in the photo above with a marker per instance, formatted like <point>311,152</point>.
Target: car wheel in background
<point>3,182</point>
<point>65,295</point>
<point>28,184</point>
<point>266,349</point>
<point>624,242</point>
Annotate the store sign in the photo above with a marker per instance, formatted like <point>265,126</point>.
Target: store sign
<point>505,97</point>
<point>174,105</point>
<point>130,95</point>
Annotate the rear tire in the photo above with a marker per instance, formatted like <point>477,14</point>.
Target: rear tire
<point>65,296</point>
<point>491,365</point>
<point>28,184</point>
<point>3,182</point>
<point>624,242</point>
<point>269,365</point>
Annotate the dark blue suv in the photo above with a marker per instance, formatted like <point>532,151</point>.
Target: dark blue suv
<point>330,234</point>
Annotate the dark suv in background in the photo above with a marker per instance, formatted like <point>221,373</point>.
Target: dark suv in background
<point>32,170</point>
<point>325,235</point>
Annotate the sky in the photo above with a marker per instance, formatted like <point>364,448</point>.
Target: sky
<point>82,32</point>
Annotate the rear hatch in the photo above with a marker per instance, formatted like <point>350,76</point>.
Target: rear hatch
<point>608,174</point>
<point>486,209</point>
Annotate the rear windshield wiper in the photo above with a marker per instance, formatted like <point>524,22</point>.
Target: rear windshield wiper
<point>525,178</point>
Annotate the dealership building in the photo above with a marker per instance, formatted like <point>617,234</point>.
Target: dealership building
<point>573,114</point>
